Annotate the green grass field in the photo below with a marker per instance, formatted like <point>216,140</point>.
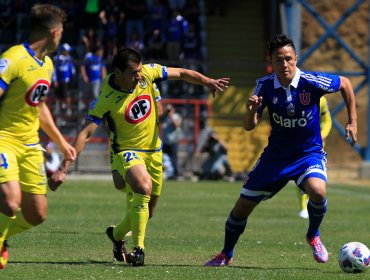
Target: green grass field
<point>186,230</point>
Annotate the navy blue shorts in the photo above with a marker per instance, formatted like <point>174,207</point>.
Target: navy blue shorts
<point>269,175</point>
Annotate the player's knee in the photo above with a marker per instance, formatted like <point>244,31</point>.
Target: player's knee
<point>10,207</point>
<point>36,219</point>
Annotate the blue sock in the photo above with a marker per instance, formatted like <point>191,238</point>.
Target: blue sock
<point>233,229</point>
<point>316,213</point>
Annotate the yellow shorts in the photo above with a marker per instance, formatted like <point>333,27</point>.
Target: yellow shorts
<point>124,160</point>
<point>23,163</point>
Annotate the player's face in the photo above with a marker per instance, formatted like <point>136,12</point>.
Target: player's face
<point>284,61</point>
<point>131,76</point>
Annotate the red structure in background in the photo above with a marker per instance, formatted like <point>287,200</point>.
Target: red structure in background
<point>197,103</point>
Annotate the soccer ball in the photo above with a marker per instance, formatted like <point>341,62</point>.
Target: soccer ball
<point>354,257</point>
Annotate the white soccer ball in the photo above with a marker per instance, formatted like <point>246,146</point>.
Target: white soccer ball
<point>354,257</point>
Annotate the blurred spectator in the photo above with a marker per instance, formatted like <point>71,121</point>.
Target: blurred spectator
<point>93,70</point>
<point>176,4</point>
<point>171,129</point>
<point>157,16</point>
<point>64,79</point>
<point>135,42</point>
<point>111,34</point>
<point>216,166</point>
<point>91,40</point>
<point>112,8</point>
<point>191,12</point>
<point>156,43</point>
<point>191,44</point>
<point>90,16</point>
<point>72,27</point>
<point>175,30</point>
<point>134,13</point>
<point>7,21</point>
<point>112,18</point>
<point>168,171</point>
<point>52,159</point>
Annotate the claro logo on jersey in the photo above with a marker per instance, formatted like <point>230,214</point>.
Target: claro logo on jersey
<point>37,92</point>
<point>138,109</point>
<point>292,122</point>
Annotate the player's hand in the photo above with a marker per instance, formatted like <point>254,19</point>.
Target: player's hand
<point>56,180</point>
<point>68,151</point>
<point>351,132</point>
<point>218,85</point>
<point>254,102</point>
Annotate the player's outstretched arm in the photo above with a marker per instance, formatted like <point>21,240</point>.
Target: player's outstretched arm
<point>48,126</point>
<point>251,116</point>
<point>83,137</point>
<point>350,100</point>
<point>194,77</point>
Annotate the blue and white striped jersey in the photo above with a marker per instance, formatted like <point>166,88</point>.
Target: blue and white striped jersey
<point>295,111</point>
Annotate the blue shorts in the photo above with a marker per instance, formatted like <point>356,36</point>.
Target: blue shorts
<point>270,175</point>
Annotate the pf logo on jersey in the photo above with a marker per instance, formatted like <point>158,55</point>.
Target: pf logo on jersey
<point>37,92</point>
<point>139,109</point>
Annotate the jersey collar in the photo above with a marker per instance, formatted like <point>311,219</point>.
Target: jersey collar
<point>294,82</point>
<point>114,86</point>
<point>32,53</point>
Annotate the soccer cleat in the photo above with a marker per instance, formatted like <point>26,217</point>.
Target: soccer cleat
<point>303,214</point>
<point>219,260</point>
<point>4,255</point>
<point>136,257</point>
<point>119,249</point>
<point>320,253</point>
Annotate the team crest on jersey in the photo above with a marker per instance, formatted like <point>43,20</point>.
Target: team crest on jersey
<point>290,110</point>
<point>152,65</point>
<point>143,83</point>
<point>305,98</point>
<point>4,63</point>
<point>275,100</point>
<point>37,92</point>
<point>139,109</point>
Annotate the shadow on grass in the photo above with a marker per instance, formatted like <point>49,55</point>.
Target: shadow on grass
<point>92,262</point>
<point>110,263</point>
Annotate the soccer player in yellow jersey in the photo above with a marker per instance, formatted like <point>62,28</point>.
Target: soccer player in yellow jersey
<point>25,75</point>
<point>127,103</point>
<point>325,127</point>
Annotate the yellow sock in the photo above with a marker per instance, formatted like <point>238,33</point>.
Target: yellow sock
<point>303,199</point>
<point>19,224</point>
<point>139,214</point>
<point>124,226</point>
<point>5,222</point>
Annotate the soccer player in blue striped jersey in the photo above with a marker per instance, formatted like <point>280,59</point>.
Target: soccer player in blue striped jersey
<point>294,150</point>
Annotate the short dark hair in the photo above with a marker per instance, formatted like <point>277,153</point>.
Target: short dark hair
<point>46,16</point>
<point>279,41</point>
<point>124,56</point>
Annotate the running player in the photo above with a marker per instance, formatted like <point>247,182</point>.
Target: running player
<point>25,76</point>
<point>294,151</point>
<point>127,103</point>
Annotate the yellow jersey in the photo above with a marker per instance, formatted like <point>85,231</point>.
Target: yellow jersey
<point>132,117</point>
<point>26,82</point>
<point>325,118</point>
